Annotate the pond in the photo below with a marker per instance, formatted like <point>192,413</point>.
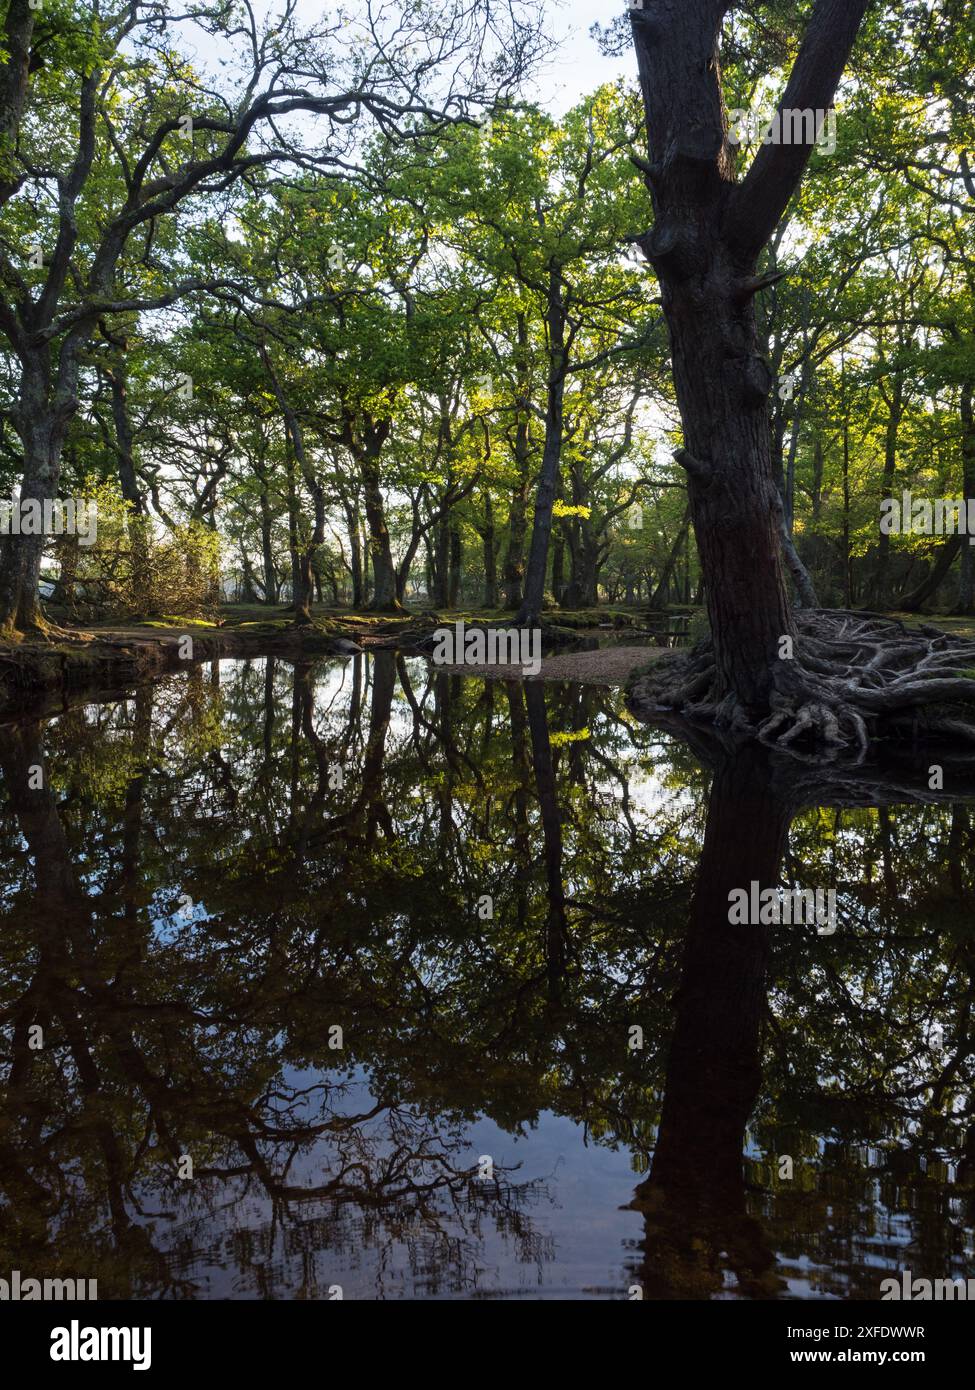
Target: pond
<point>359,979</point>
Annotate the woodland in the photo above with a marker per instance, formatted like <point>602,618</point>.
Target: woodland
<point>327,315</point>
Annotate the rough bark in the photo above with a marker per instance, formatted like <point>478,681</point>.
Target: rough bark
<point>708,233</point>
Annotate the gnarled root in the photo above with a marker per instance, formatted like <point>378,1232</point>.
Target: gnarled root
<point>852,677</point>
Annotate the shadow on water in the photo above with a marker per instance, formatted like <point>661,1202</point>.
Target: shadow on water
<point>363,976</point>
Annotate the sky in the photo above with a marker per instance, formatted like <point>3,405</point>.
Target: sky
<point>576,68</point>
<point>579,67</point>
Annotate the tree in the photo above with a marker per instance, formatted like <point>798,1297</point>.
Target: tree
<point>709,231</point>
<point>763,672</point>
<point>117,133</point>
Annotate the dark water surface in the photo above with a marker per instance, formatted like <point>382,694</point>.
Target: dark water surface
<point>369,946</point>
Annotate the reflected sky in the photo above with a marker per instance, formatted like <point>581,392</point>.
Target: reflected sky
<point>362,976</point>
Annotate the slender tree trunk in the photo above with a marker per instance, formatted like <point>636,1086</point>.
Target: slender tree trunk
<point>657,597</point>
<point>384,597</point>
<point>531,606</point>
<point>880,588</point>
<point>916,598</point>
<point>271,588</point>
<point>558,570</point>
<point>456,559</point>
<point>966,579</point>
<point>490,555</point>
<point>513,569</point>
<point>137,523</point>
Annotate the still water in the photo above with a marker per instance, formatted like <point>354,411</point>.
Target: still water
<point>361,978</point>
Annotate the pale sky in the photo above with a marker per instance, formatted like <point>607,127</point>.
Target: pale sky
<point>578,66</point>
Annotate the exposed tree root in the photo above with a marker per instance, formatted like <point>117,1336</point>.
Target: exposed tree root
<point>42,629</point>
<point>852,677</point>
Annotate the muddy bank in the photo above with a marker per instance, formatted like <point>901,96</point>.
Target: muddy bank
<point>31,672</point>
<point>47,673</point>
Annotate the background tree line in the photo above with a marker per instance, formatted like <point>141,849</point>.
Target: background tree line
<point>400,349</point>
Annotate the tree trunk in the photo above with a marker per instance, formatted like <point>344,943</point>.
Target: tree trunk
<point>913,601</point>
<point>966,580</point>
<point>456,560</point>
<point>271,588</point>
<point>880,588</point>
<point>657,596</point>
<point>513,570</point>
<point>136,522</point>
<point>384,598</point>
<point>490,555</point>
<point>708,233</point>
<point>531,605</point>
<point>41,425</point>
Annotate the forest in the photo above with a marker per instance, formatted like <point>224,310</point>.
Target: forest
<point>329,328</point>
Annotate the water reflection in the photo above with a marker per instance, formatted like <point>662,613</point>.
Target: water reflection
<point>363,946</point>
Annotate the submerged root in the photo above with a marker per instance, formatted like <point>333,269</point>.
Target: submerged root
<point>852,678</point>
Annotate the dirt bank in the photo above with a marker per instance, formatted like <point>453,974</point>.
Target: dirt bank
<point>605,666</point>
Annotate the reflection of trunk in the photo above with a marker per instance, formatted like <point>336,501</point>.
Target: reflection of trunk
<point>370,796</point>
<point>556,929</point>
<point>694,1198</point>
<point>522,774</point>
<point>131,881</point>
